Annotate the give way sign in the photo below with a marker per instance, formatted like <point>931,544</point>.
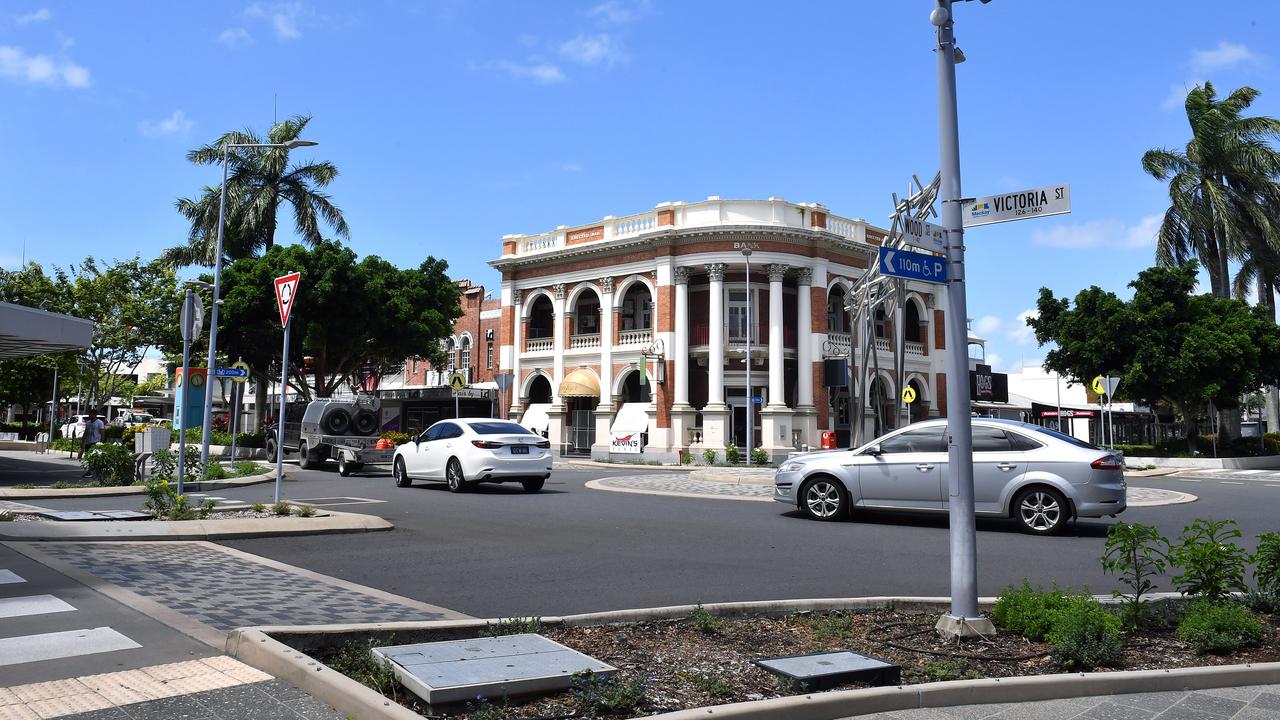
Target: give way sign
<point>286,290</point>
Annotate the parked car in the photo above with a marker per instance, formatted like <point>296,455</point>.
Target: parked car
<point>474,450</point>
<point>74,427</point>
<point>132,417</point>
<point>1039,477</point>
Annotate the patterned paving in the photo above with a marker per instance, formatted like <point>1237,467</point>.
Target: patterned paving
<point>227,590</point>
<point>1260,702</point>
<point>683,486</point>
<point>271,700</point>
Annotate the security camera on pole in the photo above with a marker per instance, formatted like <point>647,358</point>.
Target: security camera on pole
<point>286,290</point>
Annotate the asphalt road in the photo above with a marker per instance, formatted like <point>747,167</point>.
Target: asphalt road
<point>497,551</point>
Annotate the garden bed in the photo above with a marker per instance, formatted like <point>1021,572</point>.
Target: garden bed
<point>669,665</point>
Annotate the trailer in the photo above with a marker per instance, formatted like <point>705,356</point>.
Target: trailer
<point>344,431</point>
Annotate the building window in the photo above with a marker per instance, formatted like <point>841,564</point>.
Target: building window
<point>449,356</point>
<point>882,324</point>
<point>465,362</point>
<point>489,355</point>
<point>413,368</point>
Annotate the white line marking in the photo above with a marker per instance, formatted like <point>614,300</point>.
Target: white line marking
<point>8,576</point>
<point>55,645</point>
<point>1220,482</point>
<point>1188,479</point>
<point>1252,472</point>
<point>1273,486</point>
<point>32,605</point>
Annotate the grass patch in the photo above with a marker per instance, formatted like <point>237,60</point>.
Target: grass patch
<point>357,661</point>
<point>512,626</point>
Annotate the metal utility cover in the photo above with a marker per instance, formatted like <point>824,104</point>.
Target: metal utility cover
<point>460,670</point>
<point>826,670</point>
<point>72,515</point>
<point>123,514</point>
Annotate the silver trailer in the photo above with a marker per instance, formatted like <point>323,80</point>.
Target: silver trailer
<point>345,431</point>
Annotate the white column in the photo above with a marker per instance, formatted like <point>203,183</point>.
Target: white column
<point>804,340</point>
<point>680,349</point>
<point>715,336</point>
<point>517,349</point>
<point>606,343</point>
<point>777,371</point>
<point>558,332</point>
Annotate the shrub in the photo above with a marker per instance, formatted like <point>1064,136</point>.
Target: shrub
<point>6,516</point>
<point>1266,564</point>
<point>163,502</point>
<point>246,467</point>
<point>1217,627</point>
<point>205,508</point>
<point>1029,611</point>
<point>129,434</point>
<point>607,695</point>
<point>713,684</point>
<point>251,440</point>
<point>512,626</point>
<point>357,661</point>
<point>213,470</point>
<point>1136,553</point>
<point>397,437</point>
<point>759,456</point>
<point>281,508</point>
<point>705,622</point>
<point>1084,635</point>
<point>1261,602</point>
<point>732,454</point>
<point>259,508</point>
<point>1212,565</point>
<point>944,670</point>
<point>686,458</point>
<point>110,463</point>
<point>64,445</point>
<point>163,464</point>
<point>113,432</point>
<point>709,456</point>
<point>305,511</point>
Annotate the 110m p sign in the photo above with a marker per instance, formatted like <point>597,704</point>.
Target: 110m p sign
<point>1021,205</point>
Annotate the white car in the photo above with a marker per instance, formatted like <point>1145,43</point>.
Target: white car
<point>75,426</point>
<point>474,450</point>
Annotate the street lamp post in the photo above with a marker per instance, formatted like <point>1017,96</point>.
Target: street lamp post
<point>751,399</point>
<point>217,288</point>
<point>963,619</point>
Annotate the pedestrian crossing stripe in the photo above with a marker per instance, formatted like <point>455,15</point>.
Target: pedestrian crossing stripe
<point>8,577</point>
<point>32,605</point>
<point>57,645</point>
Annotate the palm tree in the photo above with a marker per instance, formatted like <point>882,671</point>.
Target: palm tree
<point>259,180</point>
<point>1217,185</point>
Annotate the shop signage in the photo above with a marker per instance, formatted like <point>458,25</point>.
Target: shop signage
<point>1068,413</point>
<point>585,235</point>
<point>625,443</point>
<point>986,386</point>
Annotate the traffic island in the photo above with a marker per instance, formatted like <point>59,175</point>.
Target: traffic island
<point>91,490</point>
<point>700,661</point>
<point>220,524</point>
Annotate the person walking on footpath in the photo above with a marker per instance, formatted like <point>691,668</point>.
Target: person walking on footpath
<point>93,429</point>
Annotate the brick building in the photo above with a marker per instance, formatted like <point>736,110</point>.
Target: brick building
<point>630,334</point>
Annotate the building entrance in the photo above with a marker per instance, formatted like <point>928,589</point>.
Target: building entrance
<point>737,401</point>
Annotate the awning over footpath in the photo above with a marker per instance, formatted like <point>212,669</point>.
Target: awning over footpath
<point>26,331</point>
<point>632,418</point>
<point>535,418</point>
<point>580,383</point>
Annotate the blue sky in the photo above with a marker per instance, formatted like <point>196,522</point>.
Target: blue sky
<point>454,123</point>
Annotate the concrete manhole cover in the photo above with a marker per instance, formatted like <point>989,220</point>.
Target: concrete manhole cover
<point>1152,497</point>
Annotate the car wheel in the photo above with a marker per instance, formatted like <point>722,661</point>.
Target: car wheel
<point>824,499</point>
<point>1041,511</point>
<point>344,469</point>
<point>453,476</point>
<point>271,450</point>
<point>402,477</point>
<point>304,456</point>
<point>533,486</point>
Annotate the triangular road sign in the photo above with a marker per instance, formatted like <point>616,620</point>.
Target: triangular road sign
<point>286,291</point>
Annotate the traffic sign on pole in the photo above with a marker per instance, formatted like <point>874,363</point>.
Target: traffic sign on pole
<point>286,290</point>
<point>1021,205</point>
<point>232,373</point>
<point>457,381</point>
<point>924,235</point>
<point>192,317</point>
<point>913,265</point>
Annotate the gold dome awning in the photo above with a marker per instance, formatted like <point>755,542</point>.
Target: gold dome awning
<point>580,383</point>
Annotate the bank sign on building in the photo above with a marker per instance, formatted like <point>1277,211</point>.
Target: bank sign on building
<point>630,335</point>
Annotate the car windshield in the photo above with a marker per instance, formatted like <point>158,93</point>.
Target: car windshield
<point>498,428</point>
<point>1062,436</point>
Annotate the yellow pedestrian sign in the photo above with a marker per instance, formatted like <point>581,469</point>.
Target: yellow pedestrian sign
<point>1099,388</point>
<point>908,394</point>
<point>457,381</point>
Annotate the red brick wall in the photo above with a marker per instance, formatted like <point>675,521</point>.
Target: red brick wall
<point>939,330</point>
<point>940,391</point>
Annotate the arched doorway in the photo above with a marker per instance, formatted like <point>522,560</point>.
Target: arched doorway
<point>880,400</point>
<point>581,392</point>
<point>918,410</point>
<point>912,330</point>
<point>540,390</point>
<point>633,391</point>
<point>837,316</point>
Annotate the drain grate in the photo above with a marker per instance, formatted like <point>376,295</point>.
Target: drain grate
<point>459,670</point>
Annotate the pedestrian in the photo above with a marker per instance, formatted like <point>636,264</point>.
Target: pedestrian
<point>93,429</point>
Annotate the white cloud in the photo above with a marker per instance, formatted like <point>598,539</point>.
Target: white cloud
<point>16,64</point>
<point>1100,233</point>
<point>987,325</point>
<point>994,360</point>
<point>235,37</point>
<point>617,12</point>
<point>1021,332</point>
<point>1226,55</point>
<point>601,49</point>
<point>283,18</point>
<point>176,124</point>
<point>571,167</point>
<point>35,16</point>
<point>1177,96</point>
<point>539,72</point>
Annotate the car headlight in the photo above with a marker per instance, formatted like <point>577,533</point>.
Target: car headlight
<point>791,467</point>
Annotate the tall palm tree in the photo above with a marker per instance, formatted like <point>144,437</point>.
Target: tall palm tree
<point>259,181</point>
<point>1216,185</point>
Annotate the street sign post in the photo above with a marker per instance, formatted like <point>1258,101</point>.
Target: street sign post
<point>231,373</point>
<point>286,287</point>
<point>924,235</point>
<point>913,265</point>
<point>1020,205</point>
<point>503,380</point>
<point>192,322</point>
<point>458,382</point>
<point>1105,386</point>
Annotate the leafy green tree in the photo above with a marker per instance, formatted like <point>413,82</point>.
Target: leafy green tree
<point>349,315</point>
<point>259,181</point>
<point>1166,343</point>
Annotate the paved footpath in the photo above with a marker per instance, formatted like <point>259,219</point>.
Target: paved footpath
<point>1259,702</point>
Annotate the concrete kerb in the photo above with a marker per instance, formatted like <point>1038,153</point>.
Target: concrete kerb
<point>331,522</point>
<point>267,475</point>
<point>258,647</point>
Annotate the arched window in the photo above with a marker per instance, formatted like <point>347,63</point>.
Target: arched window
<point>465,361</point>
<point>449,359</point>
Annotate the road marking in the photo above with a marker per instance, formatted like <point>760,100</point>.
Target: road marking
<point>1273,486</point>
<point>55,645</point>
<point>340,500</point>
<point>1252,472</point>
<point>32,605</point>
<point>1188,479</point>
<point>1229,482</point>
<point>8,577</point>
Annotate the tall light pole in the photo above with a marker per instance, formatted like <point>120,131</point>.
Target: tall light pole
<point>751,399</point>
<point>963,620</point>
<point>217,288</point>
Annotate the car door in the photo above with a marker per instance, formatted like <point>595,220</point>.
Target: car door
<point>438,449</point>
<point>908,471</point>
<point>415,455</point>
<point>996,463</point>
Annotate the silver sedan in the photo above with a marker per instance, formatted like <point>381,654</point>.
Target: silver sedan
<point>1039,477</point>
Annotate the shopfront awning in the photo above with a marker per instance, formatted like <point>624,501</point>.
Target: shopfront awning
<point>580,383</point>
<point>536,418</point>
<point>26,331</point>
<point>632,418</point>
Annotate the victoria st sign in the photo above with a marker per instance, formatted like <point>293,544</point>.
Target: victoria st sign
<point>1021,205</point>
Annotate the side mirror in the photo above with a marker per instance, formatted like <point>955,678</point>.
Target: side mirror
<point>874,450</point>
